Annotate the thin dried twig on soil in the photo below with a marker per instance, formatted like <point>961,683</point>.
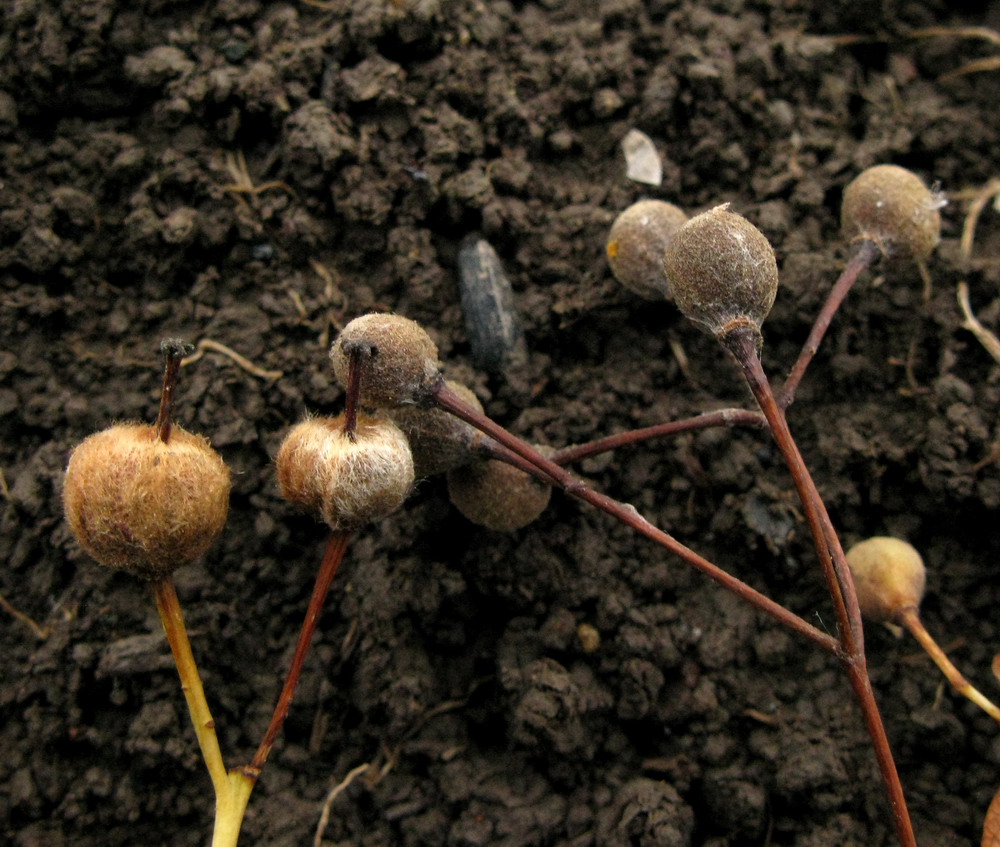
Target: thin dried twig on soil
<point>242,361</point>
<point>989,63</point>
<point>335,792</point>
<point>980,198</point>
<point>42,632</point>
<point>989,341</point>
<point>981,32</point>
<point>334,313</point>
<point>236,165</point>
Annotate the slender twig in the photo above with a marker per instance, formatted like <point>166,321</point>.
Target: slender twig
<point>40,631</point>
<point>451,402</point>
<point>232,788</point>
<point>980,199</point>
<point>911,620</point>
<point>863,257</point>
<point>721,417</point>
<point>229,353</point>
<point>980,32</point>
<point>172,619</point>
<point>332,558</point>
<point>487,448</point>
<point>334,793</point>
<point>857,673</point>
<point>987,63</point>
<point>353,394</point>
<point>866,253</point>
<point>174,350</point>
<point>989,341</point>
<point>743,346</point>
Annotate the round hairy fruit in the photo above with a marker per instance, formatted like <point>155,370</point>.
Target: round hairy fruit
<point>722,272</point>
<point>346,481</point>
<point>891,206</point>
<point>636,243</point>
<point>139,504</point>
<point>399,360</point>
<point>889,576</point>
<point>438,440</point>
<point>496,495</point>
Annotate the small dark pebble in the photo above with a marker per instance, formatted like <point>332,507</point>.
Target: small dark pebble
<point>491,319</point>
<point>262,252</point>
<point>235,50</point>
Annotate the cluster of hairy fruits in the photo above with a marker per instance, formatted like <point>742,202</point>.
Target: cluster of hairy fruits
<point>400,376</point>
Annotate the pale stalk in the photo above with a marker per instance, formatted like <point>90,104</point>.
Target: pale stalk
<point>911,620</point>
<point>232,788</point>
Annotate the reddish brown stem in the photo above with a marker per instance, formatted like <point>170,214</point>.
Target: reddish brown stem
<point>744,347</point>
<point>489,449</point>
<point>353,393</point>
<point>173,350</point>
<point>860,682</point>
<point>450,401</point>
<point>862,258</point>
<point>721,417</point>
<point>332,558</point>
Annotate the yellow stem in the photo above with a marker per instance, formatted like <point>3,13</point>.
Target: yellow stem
<point>232,788</point>
<point>230,807</point>
<point>911,620</point>
<point>169,608</point>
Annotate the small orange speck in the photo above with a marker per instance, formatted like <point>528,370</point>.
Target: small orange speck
<point>612,249</point>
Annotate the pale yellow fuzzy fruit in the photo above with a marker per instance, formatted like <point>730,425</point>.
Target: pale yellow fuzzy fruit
<point>142,505</point>
<point>636,244</point>
<point>346,482</point>
<point>889,576</point>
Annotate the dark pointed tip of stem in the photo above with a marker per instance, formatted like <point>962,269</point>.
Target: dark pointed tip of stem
<point>176,348</point>
<point>355,361</point>
<point>433,389</point>
<point>173,350</point>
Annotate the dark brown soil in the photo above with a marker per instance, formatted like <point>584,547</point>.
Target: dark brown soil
<point>378,134</point>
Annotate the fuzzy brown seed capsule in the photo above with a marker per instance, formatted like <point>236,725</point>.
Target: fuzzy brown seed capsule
<point>889,576</point>
<point>636,244</point>
<point>346,482</point>
<point>722,272</point>
<point>400,362</point>
<point>142,505</point>
<point>439,441</point>
<point>891,206</point>
<point>496,495</point>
